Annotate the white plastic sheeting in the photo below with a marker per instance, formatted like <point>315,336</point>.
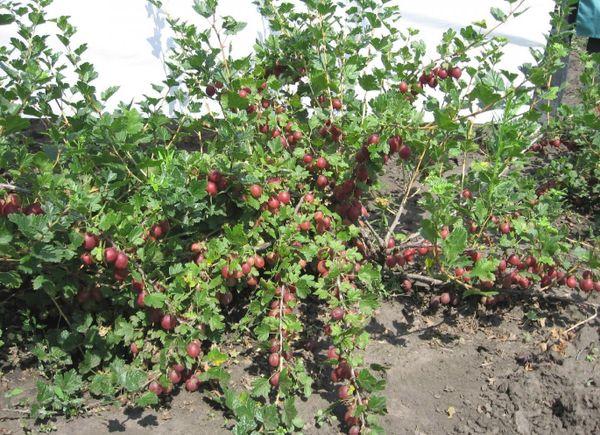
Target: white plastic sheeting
<point>128,40</point>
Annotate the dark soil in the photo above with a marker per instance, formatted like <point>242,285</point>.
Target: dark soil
<point>452,371</point>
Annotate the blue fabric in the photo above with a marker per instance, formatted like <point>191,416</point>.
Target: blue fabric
<point>588,18</point>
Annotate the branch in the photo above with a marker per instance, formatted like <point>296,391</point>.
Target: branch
<point>426,279</point>
<point>583,322</point>
<point>405,199</point>
<point>6,186</point>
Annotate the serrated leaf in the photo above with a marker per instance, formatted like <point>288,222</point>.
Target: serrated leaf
<point>155,300</point>
<point>147,399</point>
<point>261,388</point>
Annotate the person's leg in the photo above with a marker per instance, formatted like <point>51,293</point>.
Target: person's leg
<point>560,77</point>
<point>593,45</point>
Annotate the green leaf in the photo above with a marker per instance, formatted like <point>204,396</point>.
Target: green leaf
<point>105,95</point>
<point>484,270</point>
<point>6,19</point>
<point>90,361</point>
<point>13,393</point>
<point>455,244</point>
<point>369,82</point>
<point>134,379</point>
<point>368,382</point>
<point>11,279</point>
<point>318,81</point>
<point>155,300</point>
<point>232,26</point>
<point>498,14</point>
<point>147,399</point>
<point>428,230</point>
<point>215,357</point>
<point>261,388</point>
<point>377,404</point>
<point>270,418</point>
<point>206,8</point>
<point>101,385</point>
<point>13,123</point>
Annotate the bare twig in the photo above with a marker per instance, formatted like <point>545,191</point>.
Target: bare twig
<point>379,239</point>
<point>583,322</point>
<point>6,186</point>
<point>300,202</point>
<point>400,211</point>
<point>422,278</point>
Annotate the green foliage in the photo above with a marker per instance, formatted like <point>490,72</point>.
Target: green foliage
<point>258,228</point>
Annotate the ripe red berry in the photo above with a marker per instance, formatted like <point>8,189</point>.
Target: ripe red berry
<point>403,87</point>
<point>336,104</point>
<point>90,241</point>
<point>445,298</point>
<point>259,262</point>
<point>174,376</point>
<point>155,388</point>
<point>121,261</point>
<point>332,353</point>
<point>444,232</point>
<point>373,139</point>
<point>390,261</point>
<point>504,227</point>
<point>502,266</point>
<point>513,260</point>
<point>211,188</point>
<point>344,392</point>
<point>284,197</point>
<point>442,73</point>
<point>456,72</point>
<point>337,313</point>
<point>322,181</point>
<point>404,152</point>
<point>321,163</point>
<point>274,360</point>
<point>193,349</point>
<point>157,231</point>
<point>304,226</point>
<point>571,281</point>
<point>307,159</point>
<point>87,259</point>
<point>243,93</point>
<point>133,349</point>
<point>140,298</point>
<point>586,285</point>
<point>354,430</point>
<point>168,322</point>
<point>246,268</point>
<point>256,191</point>
<point>274,381</point>
<point>110,254</point>
<point>192,384</point>
<point>211,90</point>
<point>273,203</point>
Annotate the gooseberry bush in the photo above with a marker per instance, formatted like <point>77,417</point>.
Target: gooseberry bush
<point>136,247</point>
